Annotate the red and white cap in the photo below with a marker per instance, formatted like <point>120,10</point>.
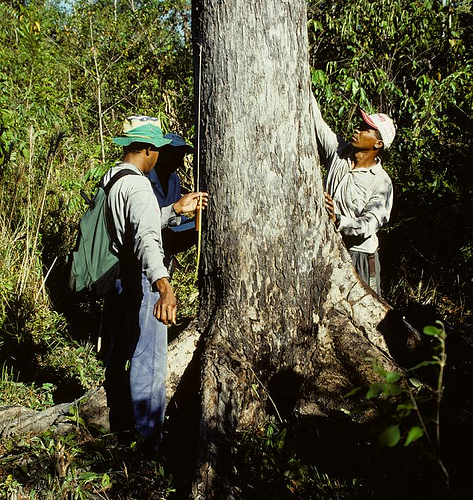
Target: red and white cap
<point>382,123</point>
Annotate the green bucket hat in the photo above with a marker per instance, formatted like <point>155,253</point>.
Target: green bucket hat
<point>141,129</point>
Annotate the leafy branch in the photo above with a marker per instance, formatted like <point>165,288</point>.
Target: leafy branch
<point>405,397</point>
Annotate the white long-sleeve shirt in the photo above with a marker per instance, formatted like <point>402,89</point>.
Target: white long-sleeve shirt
<point>133,204</point>
<point>362,196</point>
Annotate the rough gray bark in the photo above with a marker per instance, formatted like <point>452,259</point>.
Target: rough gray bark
<point>282,307</point>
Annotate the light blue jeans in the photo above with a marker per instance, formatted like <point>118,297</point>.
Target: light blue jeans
<point>135,372</point>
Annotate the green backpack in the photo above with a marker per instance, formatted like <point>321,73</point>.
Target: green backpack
<point>94,265</point>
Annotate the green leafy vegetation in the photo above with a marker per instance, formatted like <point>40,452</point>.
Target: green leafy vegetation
<point>413,61</point>
<point>185,285</point>
<point>70,75</point>
<point>270,465</point>
<point>78,466</point>
<point>13,393</point>
<point>411,408</point>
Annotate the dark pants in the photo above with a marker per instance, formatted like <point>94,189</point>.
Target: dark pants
<point>177,239</point>
<point>368,268</point>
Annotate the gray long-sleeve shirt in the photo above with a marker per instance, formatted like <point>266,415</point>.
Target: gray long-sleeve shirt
<point>362,196</point>
<point>132,204</point>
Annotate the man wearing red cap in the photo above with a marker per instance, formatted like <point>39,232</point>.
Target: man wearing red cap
<point>359,193</point>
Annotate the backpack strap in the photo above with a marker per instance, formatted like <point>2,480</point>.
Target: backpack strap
<point>117,177</point>
<point>108,214</point>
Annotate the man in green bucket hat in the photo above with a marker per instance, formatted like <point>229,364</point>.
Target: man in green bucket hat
<point>143,302</point>
<point>142,129</point>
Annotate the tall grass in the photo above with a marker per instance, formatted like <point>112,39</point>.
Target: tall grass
<point>39,208</point>
<point>21,216</point>
<point>14,393</point>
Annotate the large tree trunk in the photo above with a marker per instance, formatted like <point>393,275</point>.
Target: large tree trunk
<point>281,306</point>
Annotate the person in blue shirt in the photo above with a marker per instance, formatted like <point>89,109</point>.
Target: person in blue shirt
<point>166,186</point>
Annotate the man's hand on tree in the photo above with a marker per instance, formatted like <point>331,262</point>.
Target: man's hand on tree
<point>191,202</point>
<point>166,307</point>
<point>329,207</point>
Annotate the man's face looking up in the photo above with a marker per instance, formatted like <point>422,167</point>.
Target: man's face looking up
<point>366,137</point>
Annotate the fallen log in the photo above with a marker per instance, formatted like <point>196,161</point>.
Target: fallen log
<point>92,406</point>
